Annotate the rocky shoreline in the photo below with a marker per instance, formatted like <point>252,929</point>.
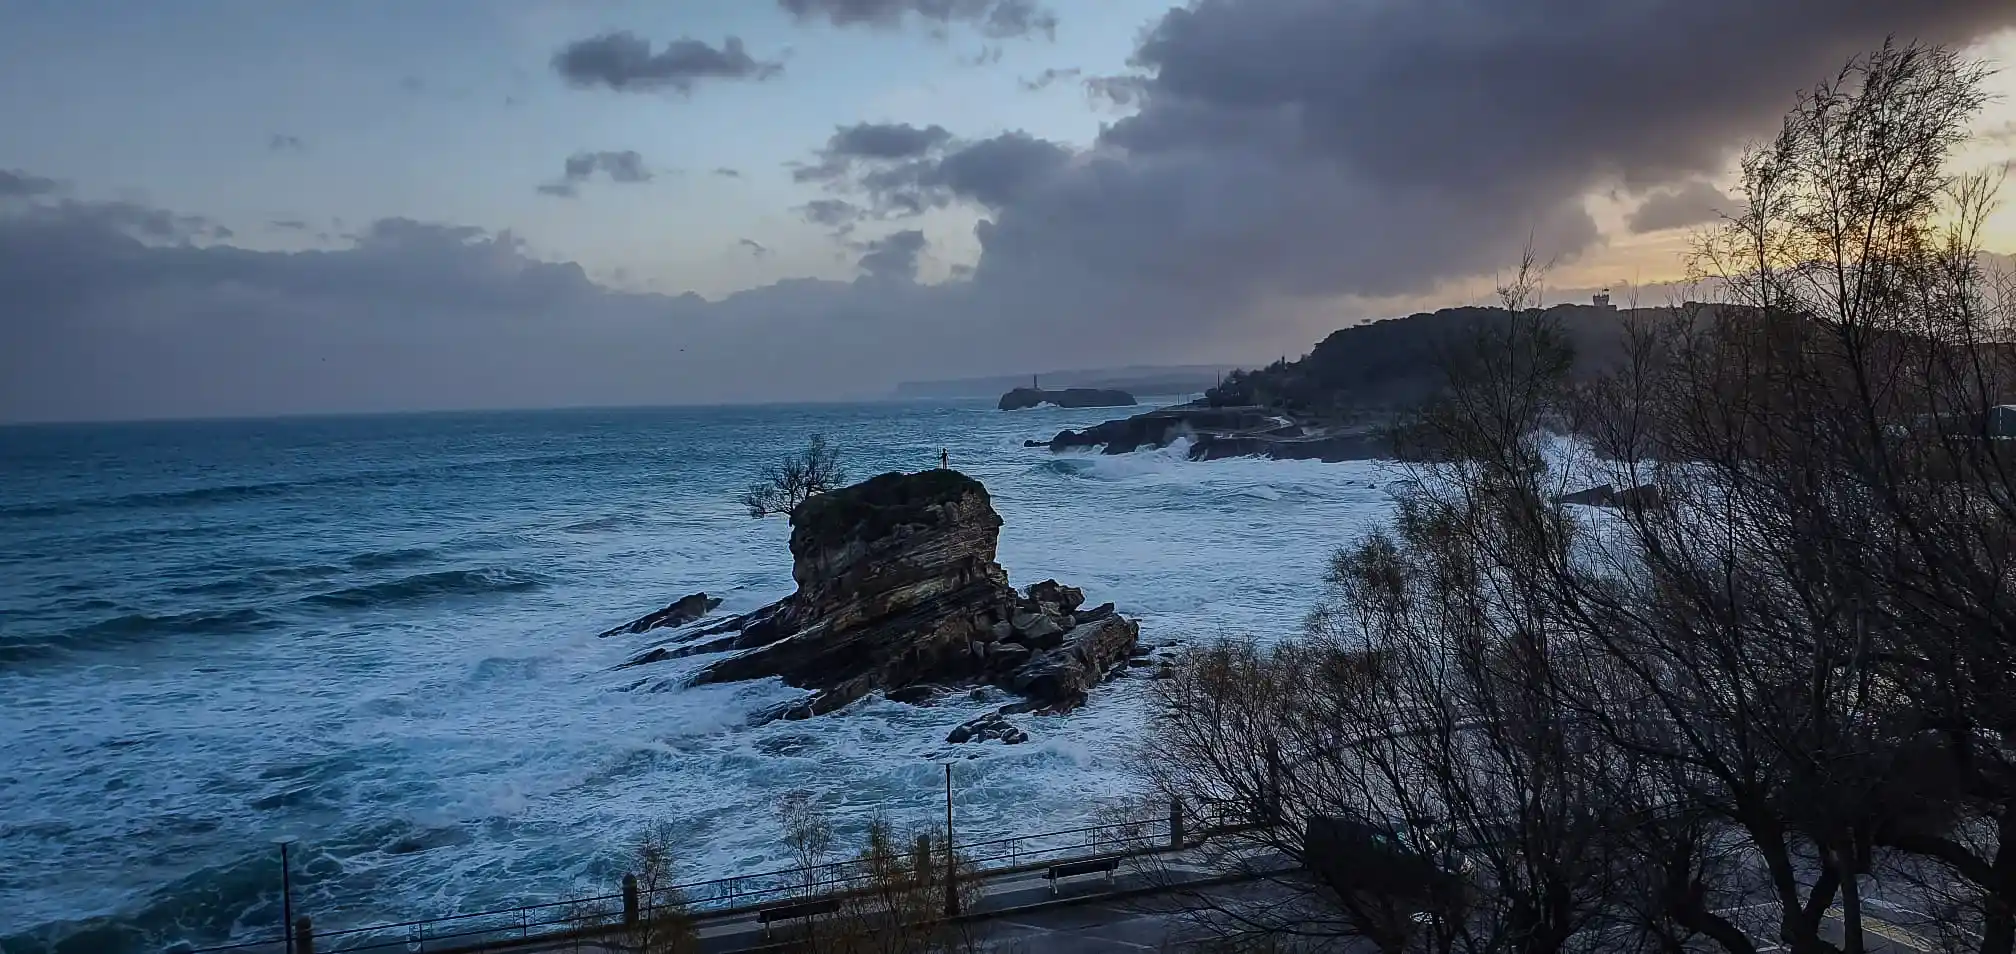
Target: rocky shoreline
<point>1220,432</point>
<point>1021,399</point>
<point>899,594</point>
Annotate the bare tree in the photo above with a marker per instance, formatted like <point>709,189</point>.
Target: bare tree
<point>1829,535</point>
<point>664,926</point>
<point>1410,747</point>
<point>1712,715</point>
<point>808,834</point>
<point>794,480</point>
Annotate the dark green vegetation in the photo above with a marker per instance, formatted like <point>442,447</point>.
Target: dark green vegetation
<point>1399,363</point>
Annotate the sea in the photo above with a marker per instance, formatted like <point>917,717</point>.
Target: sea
<point>375,639</point>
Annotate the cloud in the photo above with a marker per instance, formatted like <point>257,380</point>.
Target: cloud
<point>1284,161</point>
<point>279,142</point>
<point>1118,91</point>
<point>623,61</point>
<point>755,248</point>
<point>932,171</point>
<point>15,183</point>
<point>1690,203</point>
<point>727,173</point>
<point>893,258</point>
<point>1312,149</point>
<point>412,85</point>
<point>1049,77</point>
<point>625,166</point>
<point>288,225</point>
<point>996,18</point>
<point>871,143</point>
<point>112,315</point>
<point>836,214</point>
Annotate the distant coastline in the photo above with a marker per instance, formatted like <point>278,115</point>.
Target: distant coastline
<point>1135,379</point>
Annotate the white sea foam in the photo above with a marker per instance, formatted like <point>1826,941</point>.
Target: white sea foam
<point>458,750</point>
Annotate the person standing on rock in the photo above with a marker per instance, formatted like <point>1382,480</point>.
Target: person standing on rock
<point>944,459</point>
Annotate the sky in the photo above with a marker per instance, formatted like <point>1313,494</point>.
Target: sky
<point>247,208</point>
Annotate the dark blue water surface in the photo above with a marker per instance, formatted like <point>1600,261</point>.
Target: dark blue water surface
<point>375,635</point>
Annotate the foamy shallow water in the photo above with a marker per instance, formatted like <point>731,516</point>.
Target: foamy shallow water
<point>376,636</point>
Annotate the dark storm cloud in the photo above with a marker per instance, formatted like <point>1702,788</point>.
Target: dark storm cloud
<point>755,248</point>
<point>1309,147</point>
<point>904,171</point>
<point>280,142</point>
<point>995,172</point>
<point>623,61</point>
<point>1690,203</point>
<point>870,143</point>
<point>885,140</point>
<point>15,183</point>
<point>624,166</point>
<point>998,18</point>
<point>893,257</point>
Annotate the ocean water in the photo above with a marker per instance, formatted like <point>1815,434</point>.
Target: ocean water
<point>376,636</point>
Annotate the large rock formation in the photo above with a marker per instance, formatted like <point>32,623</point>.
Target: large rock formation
<point>1023,398</point>
<point>1219,432</point>
<point>898,591</point>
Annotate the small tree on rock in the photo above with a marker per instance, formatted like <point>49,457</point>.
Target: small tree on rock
<point>794,480</point>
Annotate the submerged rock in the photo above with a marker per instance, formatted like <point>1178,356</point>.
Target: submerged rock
<point>899,593</point>
<point>686,610</point>
<point>1604,495</point>
<point>987,728</point>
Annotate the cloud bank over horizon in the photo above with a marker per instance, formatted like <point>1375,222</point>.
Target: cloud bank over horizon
<point>1277,155</point>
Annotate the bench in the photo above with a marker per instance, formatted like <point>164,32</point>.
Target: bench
<point>1072,869</point>
<point>795,910</point>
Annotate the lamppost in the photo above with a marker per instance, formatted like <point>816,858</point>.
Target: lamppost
<point>286,895</point>
<point>951,865</point>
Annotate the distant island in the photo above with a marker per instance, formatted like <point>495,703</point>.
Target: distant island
<point>1025,398</point>
<point>1191,379</point>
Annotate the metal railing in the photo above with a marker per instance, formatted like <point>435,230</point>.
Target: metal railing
<point>596,915</point>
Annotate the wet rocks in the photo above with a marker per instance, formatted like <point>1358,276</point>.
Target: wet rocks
<point>899,593</point>
<point>686,610</point>
<point>1221,432</point>
<point>987,728</point>
<point>1024,398</point>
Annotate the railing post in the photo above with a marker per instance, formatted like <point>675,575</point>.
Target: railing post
<point>630,900</point>
<point>304,936</point>
<point>1176,821</point>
